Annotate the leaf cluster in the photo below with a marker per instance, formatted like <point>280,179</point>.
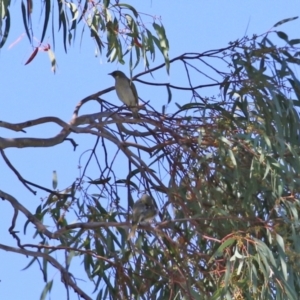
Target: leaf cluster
<point>118,28</point>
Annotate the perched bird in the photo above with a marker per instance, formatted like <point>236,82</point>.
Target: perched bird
<point>143,211</point>
<point>126,91</point>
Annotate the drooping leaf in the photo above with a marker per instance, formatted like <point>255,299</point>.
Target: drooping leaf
<point>32,56</point>
<point>24,16</point>
<point>6,29</point>
<point>47,17</point>
<point>130,8</point>
<point>162,43</point>
<point>47,289</point>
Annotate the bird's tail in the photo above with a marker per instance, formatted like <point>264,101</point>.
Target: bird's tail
<point>135,113</point>
<point>132,232</point>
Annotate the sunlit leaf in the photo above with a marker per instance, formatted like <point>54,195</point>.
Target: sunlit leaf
<point>162,43</point>
<point>74,12</point>
<point>52,60</point>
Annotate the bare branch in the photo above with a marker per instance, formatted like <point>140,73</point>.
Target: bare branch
<point>19,207</point>
<point>15,171</point>
<point>66,277</point>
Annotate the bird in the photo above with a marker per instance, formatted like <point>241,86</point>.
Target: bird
<point>126,92</point>
<point>143,211</point>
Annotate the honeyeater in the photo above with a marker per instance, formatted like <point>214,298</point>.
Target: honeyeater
<point>143,211</point>
<point>126,91</point>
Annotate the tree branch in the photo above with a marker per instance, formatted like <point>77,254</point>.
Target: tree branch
<point>66,277</point>
<point>34,220</point>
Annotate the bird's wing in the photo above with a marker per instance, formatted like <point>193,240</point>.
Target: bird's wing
<point>134,92</point>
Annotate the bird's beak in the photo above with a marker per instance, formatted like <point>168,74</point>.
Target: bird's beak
<point>109,74</point>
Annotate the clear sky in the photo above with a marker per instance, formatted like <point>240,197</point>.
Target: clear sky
<point>33,91</point>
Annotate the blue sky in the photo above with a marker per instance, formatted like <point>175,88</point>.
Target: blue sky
<point>33,91</point>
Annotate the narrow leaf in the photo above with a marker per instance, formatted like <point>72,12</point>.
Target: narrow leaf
<point>162,43</point>
<point>282,255</point>
<point>220,250</point>
<point>294,41</point>
<point>283,35</point>
<point>6,30</point>
<point>32,56</point>
<point>46,290</point>
<point>23,8</point>
<point>54,180</point>
<point>129,7</point>
<point>29,264</point>
<point>225,85</point>
<point>169,94</point>
<point>285,21</point>
<point>47,15</point>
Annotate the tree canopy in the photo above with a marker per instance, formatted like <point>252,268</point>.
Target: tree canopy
<point>112,26</point>
<point>223,169</point>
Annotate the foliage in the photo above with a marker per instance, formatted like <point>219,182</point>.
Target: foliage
<point>112,25</point>
<point>224,170</point>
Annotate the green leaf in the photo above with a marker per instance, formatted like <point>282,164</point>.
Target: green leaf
<point>240,267</point>
<point>130,8</point>
<point>74,13</point>
<point>106,3</point>
<point>231,155</point>
<point>282,35</point>
<point>150,44</point>
<point>47,15</point>
<point>63,23</point>
<point>282,255</point>
<point>225,85</point>
<point>84,9</point>
<point>162,43</point>
<point>70,255</point>
<point>294,42</point>
<point>268,168</point>
<point>54,180</point>
<point>138,56</point>
<point>160,31</point>
<point>29,264</point>
<point>100,180</point>
<point>45,264</point>
<point>219,251</point>
<point>296,86</point>
<point>25,226</point>
<point>144,50</point>
<point>225,140</point>
<point>6,30</point>
<point>285,21</point>
<point>228,273</point>
<point>24,15</point>
<point>46,290</point>
<point>169,94</point>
